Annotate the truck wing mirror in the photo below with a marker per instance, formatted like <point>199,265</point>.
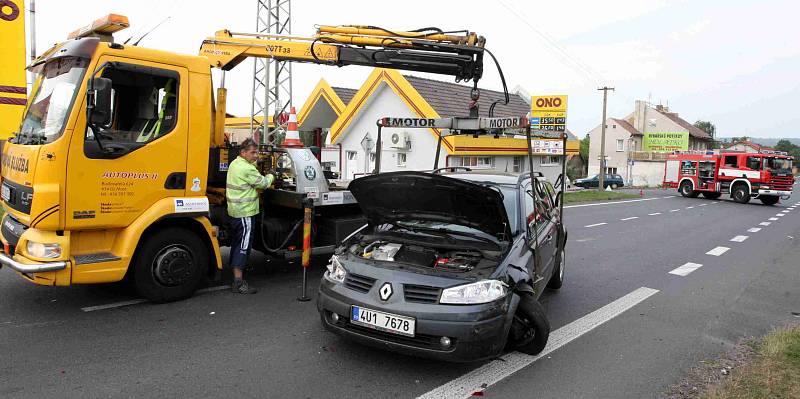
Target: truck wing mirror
<point>99,101</point>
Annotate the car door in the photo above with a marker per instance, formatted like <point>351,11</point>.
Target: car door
<point>542,231</point>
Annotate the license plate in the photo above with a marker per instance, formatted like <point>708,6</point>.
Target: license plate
<point>6,193</point>
<point>382,321</point>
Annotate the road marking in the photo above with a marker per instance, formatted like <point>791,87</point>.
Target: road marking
<point>702,204</point>
<point>596,224</point>
<point>675,210</point>
<point>718,251</point>
<point>773,219</point>
<point>754,229</point>
<point>689,207</point>
<point>765,223</point>
<point>739,238</point>
<point>495,371</point>
<point>631,218</point>
<point>779,214</point>
<point>653,214</point>
<point>615,202</point>
<point>785,211</point>
<point>140,300</point>
<point>686,269</point>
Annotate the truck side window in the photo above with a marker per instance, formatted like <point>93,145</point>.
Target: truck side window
<point>144,104</point>
<point>731,161</point>
<point>689,168</point>
<point>754,163</point>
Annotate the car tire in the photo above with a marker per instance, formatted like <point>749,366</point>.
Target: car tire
<point>557,279</point>
<point>712,195</point>
<point>530,328</point>
<point>169,265</point>
<point>741,194</point>
<point>769,199</point>
<point>614,186</point>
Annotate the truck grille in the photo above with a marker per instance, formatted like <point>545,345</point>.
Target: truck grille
<point>358,282</point>
<point>421,293</point>
<point>783,183</point>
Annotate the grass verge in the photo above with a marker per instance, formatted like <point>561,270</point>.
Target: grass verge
<point>773,373</point>
<point>594,195</point>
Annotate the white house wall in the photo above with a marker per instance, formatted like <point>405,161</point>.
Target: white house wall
<point>616,159</point>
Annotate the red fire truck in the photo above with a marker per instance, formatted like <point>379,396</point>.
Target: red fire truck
<point>766,175</point>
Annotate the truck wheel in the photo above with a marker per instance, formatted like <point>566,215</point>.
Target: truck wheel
<point>169,265</point>
<point>557,279</point>
<point>530,328</point>
<point>769,200</point>
<point>686,189</point>
<point>741,194</point>
<point>712,195</point>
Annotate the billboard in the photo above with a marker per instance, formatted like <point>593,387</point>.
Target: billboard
<point>13,92</point>
<point>549,112</point>
<point>665,141</point>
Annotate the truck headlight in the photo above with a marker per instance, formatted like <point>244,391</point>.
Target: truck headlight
<point>47,251</point>
<point>481,292</point>
<point>336,271</point>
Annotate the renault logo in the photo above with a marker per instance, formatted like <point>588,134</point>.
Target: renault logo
<point>385,291</point>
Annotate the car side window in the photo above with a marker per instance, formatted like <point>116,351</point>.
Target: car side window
<point>539,201</point>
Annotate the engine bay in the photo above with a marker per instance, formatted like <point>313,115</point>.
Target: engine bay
<point>429,257</point>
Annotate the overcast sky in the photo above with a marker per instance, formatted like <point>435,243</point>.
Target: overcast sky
<point>732,62</point>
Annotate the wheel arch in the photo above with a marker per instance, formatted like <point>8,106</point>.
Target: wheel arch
<point>738,181</point>
<point>685,179</point>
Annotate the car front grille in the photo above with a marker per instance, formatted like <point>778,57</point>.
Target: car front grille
<point>421,293</point>
<point>357,282</point>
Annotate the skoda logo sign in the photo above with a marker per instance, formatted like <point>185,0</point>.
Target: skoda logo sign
<point>310,173</point>
<point>385,291</point>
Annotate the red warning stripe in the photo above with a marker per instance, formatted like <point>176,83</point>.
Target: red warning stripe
<point>12,101</point>
<point>14,89</point>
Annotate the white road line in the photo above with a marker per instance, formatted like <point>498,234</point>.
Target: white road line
<point>702,204</point>
<point>631,218</point>
<point>495,371</point>
<point>138,301</point>
<point>615,202</point>
<point>765,223</point>
<point>686,269</point>
<point>596,224</point>
<point>689,207</point>
<point>773,219</point>
<point>654,213</point>
<point>754,229</point>
<point>780,215</point>
<point>675,210</point>
<point>718,251</point>
<point>739,238</point>
<point>785,211</point>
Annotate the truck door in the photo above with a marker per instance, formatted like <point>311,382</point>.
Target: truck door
<point>118,171</point>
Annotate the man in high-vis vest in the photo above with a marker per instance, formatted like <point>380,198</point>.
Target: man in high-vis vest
<point>242,197</point>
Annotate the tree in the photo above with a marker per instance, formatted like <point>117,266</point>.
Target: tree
<point>707,127</point>
<point>584,149</point>
<point>791,148</point>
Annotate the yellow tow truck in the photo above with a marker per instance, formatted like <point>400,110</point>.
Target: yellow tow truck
<point>118,168</point>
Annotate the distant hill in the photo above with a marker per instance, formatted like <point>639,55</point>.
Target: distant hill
<point>766,142</point>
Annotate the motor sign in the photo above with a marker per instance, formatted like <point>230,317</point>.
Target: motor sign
<point>549,112</point>
<point>503,123</point>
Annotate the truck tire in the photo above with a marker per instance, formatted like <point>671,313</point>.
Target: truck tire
<point>712,195</point>
<point>769,199</point>
<point>686,189</point>
<point>557,279</point>
<point>530,328</point>
<point>169,265</point>
<point>741,194</point>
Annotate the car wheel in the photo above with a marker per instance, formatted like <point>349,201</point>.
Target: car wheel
<point>169,265</point>
<point>614,186</point>
<point>557,279</point>
<point>769,200</point>
<point>530,328</point>
<point>740,194</point>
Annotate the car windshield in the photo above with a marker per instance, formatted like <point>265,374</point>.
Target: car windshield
<point>57,84</point>
<point>778,165</point>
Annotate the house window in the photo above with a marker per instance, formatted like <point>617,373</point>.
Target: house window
<point>620,145</point>
<point>551,160</point>
<point>611,171</point>
<point>486,162</point>
<point>401,159</point>
<point>518,164</point>
<point>351,155</point>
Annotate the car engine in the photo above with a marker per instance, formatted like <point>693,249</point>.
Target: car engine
<point>447,260</point>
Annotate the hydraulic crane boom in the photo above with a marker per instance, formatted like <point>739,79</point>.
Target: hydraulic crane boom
<point>429,51</point>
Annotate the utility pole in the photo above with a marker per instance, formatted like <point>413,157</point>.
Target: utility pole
<point>601,176</point>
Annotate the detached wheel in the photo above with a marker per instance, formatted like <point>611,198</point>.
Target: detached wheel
<point>169,265</point>
<point>530,328</point>
<point>712,195</point>
<point>741,194</point>
<point>557,279</point>
<point>769,200</point>
<point>686,189</point>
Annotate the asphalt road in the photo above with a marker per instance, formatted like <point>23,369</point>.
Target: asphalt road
<point>217,344</point>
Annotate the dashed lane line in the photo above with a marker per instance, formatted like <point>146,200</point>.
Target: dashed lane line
<point>765,223</point>
<point>674,210</point>
<point>687,268</point>
<point>780,215</point>
<point>138,301</point>
<point>495,371</point>
<point>596,224</point>
<point>689,207</point>
<point>616,202</point>
<point>654,213</point>
<point>631,218</point>
<point>773,219</point>
<point>754,229</point>
<point>739,238</point>
<point>702,204</point>
<point>717,251</point>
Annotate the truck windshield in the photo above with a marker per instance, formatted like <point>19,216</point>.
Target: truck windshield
<point>778,165</point>
<point>57,83</point>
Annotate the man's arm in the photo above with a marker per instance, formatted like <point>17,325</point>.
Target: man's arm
<point>257,180</point>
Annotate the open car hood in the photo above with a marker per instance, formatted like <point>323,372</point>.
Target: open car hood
<point>398,196</point>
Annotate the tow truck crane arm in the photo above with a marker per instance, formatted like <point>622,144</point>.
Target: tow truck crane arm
<point>429,51</point>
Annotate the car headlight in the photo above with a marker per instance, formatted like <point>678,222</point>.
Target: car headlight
<point>481,292</point>
<point>336,271</point>
<point>39,250</point>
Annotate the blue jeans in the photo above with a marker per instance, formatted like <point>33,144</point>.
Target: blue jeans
<point>241,241</point>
